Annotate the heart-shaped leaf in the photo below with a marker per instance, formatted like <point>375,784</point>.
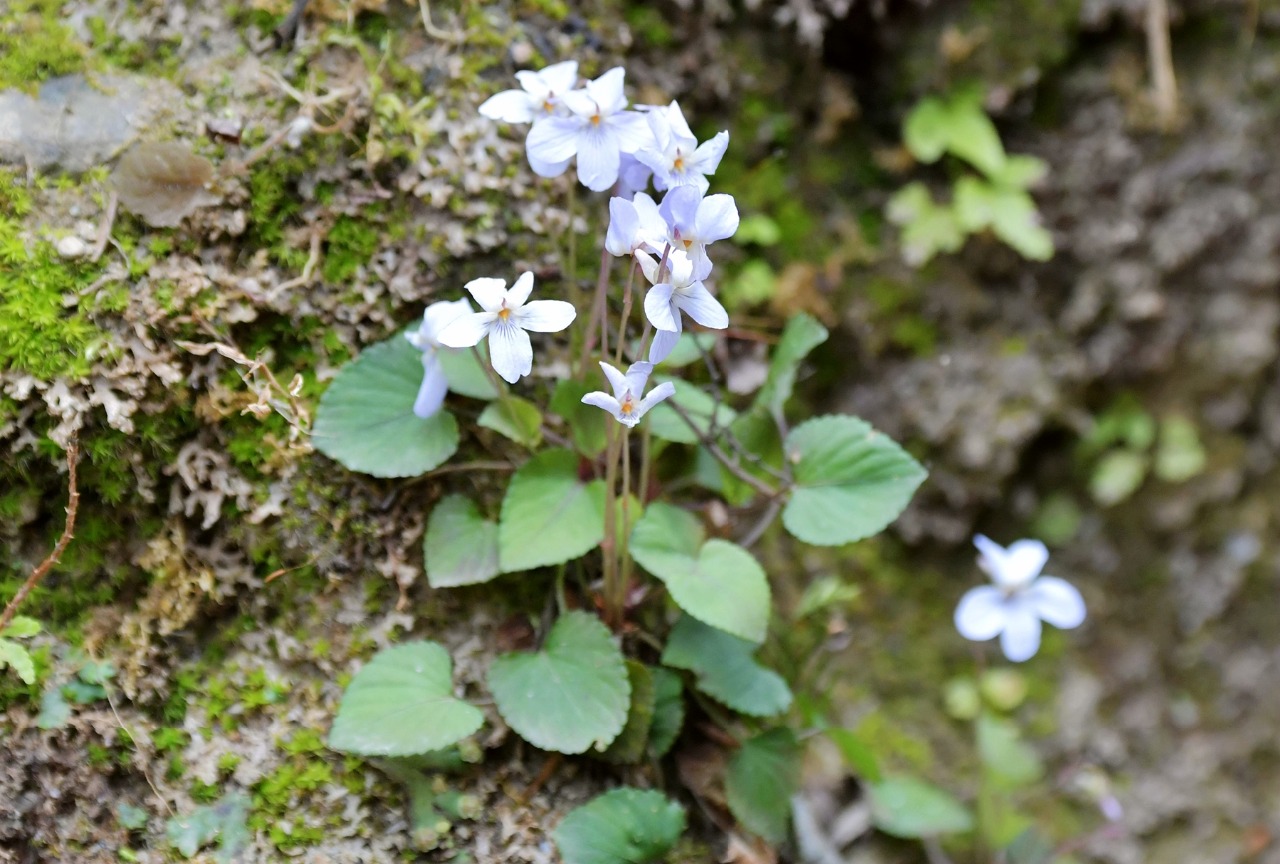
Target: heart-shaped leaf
<point>549,515</point>
<point>725,669</point>
<point>460,546</point>
<point>760,780</point>
<point>850,480</point>
<point>516,418</point>
<point>629,746</point>
<point>401,704</point>
<point>668,711</point>
<point>624,826</point>
<point>366,422</point>
<point>572,695</point>
<point>717,582</point>
<point>464,372</point>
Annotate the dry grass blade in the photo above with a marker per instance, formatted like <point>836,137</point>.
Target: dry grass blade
<point>163,182</point>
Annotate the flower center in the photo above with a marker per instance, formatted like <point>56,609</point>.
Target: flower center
<point>504,313</point>
<point>628,404</point>
<point>595,119</point>
<point>678,165</point>
<point>687,243</point>
<point>547,106</point>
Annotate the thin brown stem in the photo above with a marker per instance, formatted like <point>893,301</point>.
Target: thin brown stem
<point>624,537</point>
<point>626,313</point>
<point>1160,56</point>
<point>599,312</point>
<point>609,545</point>
<point>732,465</point>
<point>42,570</point>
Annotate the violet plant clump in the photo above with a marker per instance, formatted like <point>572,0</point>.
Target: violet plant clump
<point>602,509</point>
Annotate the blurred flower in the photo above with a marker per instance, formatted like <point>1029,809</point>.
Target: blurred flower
<point>695,221</point>
<point>675,156</point>
<point>625,404</point>
<point>633,176</point>
<point>599,131</point>
<point>1019,600</point>
<point>505,319</point>
<point>426,339</point>
<point>539,97</point>
<point>679,291</point>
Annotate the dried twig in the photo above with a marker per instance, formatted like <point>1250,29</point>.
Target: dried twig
<point>731,464</point>
<point>73,504</point>
<point>1160,56</point>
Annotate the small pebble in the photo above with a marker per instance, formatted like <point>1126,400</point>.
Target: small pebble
<point>71,247</point>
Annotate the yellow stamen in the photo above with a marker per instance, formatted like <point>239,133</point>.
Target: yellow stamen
<point>595,119</point>
<point>628,406</point>
<point>504,313</point>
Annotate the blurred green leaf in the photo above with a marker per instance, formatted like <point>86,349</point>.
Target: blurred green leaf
<point>1007,759</point>
<point>911,808</point>
<point>1117,476</point>
<point>1179,455</point>
<point>761,778</point>
<point>516,418</point>
<point>622,826</point>
<point>725,668</point>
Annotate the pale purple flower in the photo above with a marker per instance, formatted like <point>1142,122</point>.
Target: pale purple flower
<point>426,339</point>
<point>634,225</point>
<point>633,176</point>
<point>676,289</point>
<point>539,96</point>
<point>1019,600</point>
<point>694,222</point>
<point>675,156</point>
<point>599,131</point>
<point>505,319</point>
<point>626,404</point>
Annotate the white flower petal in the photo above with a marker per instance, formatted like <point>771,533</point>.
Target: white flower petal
<point>981,614</point>
<point>439,315</point>
<point>638,376</point>
<point>679,209</point>
<point>547,169</point>
<point>649,265</point>
<point>617,381</point>
<point>676,122</point>
<point>545,316</point>
<point>520,291</point>
<point>489,292</point>
<point>1056,601</point>
<point>659,309</point>
<point>1020,639</point>
<point>680,269</point>
<point>560,77</point>
<point>467,330</point>
<point>605,401</point>
<point>552,140</point>
<point>509,106</point>
<point>717,218</point>
<point>633,176</point>
<point>434,387</point>
<point>631,131</point>
<point>581,104</point>
<point>706,159</point>
<point>1023,562</point>
<point>510,351</point>
<point>607,90</point>
<point>624,225</point>
<point>701,262</point>
<point>598,158</point>
<point>698,303</point>
<point>664,342</point>
<point>665,390</point>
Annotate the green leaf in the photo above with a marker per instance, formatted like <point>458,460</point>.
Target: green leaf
<point>366,422</point>
<point>623,826</point>
<point>1117,476</point>
<point>717,582</point>
<point>973,137</point>
<point>549,515</point>
<point>925,130</point>
<point>911,808</point>
<point>55,710</point>
<point>857,753</point>
<point>1020,172</point>
<point>460,546</point>
<point>464,372</point>
<point>628,748</point>
<point>1007,759</point>
<point>586,422</point>
<point>760,780</point>
<point>1016,221</point>
<point>401,703</point>
<point>666,424</point>
<point>850,480</point>
<point>19,659</point>
<point>758,229</point>
<point>725,668</point>
<point>131,818</point>
<point>572,695</point>
<point>927,228</point>
<point>225,820</point>
<point>516,418</point>
<point>802,334</point>
<point>1180,455</point>
<point>823,593</point>
<point>668,711</point>
<point>21,627</point>
<point>758,434</point>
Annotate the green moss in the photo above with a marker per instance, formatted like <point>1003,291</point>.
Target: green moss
<point>281,795</point>
<point>35,45</point>
<point>349,246</point>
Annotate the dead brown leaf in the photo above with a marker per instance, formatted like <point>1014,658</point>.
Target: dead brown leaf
<point>163,182</point>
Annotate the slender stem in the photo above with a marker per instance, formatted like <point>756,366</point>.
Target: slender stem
<point>1164,82</point>
<point>42,570</point>
<point>624,538</point>
<point>562,605</point>
<point>626,313</point>
<point>733,466</point>
<point>609,545</point>
<point>599,312</point>
<point>646,465</point>
<point>761,524</point>
<point>503,396</point>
